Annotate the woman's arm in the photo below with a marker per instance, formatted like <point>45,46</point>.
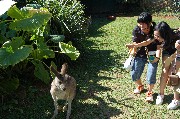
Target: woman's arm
<point>158,54</point>
<point>158,51</point>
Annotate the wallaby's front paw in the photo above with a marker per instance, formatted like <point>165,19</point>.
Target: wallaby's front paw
<point>65,108</point>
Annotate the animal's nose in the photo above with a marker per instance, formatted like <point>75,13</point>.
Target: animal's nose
<point>64,89</point>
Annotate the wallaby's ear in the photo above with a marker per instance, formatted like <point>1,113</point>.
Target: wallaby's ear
<point>59,76</point>
<point>64,68</point>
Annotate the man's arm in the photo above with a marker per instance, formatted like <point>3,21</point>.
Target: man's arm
<point>144,43</point>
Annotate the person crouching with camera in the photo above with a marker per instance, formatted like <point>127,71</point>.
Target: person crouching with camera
<point>175,58</point>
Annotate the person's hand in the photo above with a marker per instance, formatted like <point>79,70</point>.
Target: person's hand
<point>155,60</point>
<point>133,51</point>
<point>177,45</point>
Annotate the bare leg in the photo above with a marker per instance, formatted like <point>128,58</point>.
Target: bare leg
<point>150,87</point>
<point>164,76</point>
<point>176,94</point>
<point>138,82</point>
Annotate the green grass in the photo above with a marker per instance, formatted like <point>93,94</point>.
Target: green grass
<point>104,87</point>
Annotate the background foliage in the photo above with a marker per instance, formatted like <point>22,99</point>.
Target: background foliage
<point>113,7</point>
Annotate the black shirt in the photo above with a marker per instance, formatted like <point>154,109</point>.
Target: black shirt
<point>170,49</point>
<point>138,37</point>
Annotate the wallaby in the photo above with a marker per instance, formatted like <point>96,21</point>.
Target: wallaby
<point>63,87</point>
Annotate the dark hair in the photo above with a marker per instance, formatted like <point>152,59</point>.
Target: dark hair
<point>165,32</point>
<point>144,17</point>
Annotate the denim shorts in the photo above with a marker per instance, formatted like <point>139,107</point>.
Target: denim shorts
<point>138,68</point>
<point>151,72</point>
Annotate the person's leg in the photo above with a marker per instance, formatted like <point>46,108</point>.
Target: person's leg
<point>136,72</point>
<point>151,75</point>
<point>138,82</point>
<point>151,79</point>
<point>163,79</point>
<point>176,101</point>
<point>176,96</point>
<point>176,93</point>
<point>150,87</point>
<point>164,76</point>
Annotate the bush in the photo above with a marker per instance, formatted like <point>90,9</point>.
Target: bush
<point>68,18</point>
<point>167,7</point>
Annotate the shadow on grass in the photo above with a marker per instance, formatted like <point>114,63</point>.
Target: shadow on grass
<point>88,104</point>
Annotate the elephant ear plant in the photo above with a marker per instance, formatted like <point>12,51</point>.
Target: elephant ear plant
<point>22,40</point>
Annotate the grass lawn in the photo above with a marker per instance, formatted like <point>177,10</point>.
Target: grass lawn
<point>104,87</point>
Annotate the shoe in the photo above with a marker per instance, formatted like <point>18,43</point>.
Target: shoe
<point>149,96</point>
<point>174,104</point>
<point>159,99</point>
<point>139,89</point>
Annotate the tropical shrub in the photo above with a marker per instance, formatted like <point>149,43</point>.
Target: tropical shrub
<point>68,17</point>
<point>24,39</point>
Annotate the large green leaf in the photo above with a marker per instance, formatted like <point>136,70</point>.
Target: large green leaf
<point>3,28</point>
<point>40,72</point>
<point>42,51</point>
<point>15,13</point>
<point>52,74</point>
<point>38,19</point>
<point>15,43</point>
<point>57,38</point>
<point>69,50</point>
<point>11,57</point>
<point>10,33</point>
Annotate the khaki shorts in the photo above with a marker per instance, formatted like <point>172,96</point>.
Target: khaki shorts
<point>177,88</point>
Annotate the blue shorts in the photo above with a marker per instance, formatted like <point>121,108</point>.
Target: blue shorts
<point>138,67</point>
<point>151,72</point>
